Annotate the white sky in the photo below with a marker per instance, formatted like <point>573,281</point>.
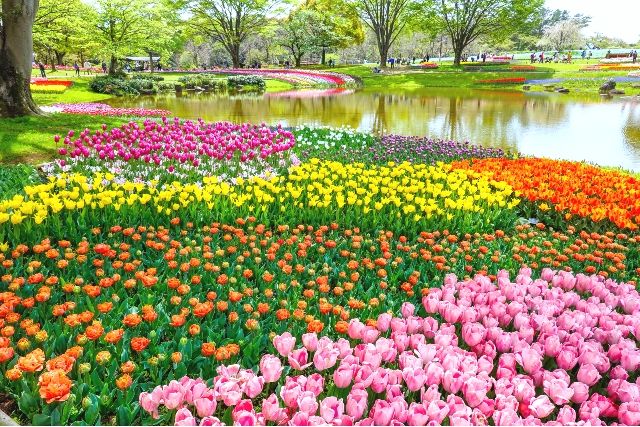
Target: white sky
<point>613,18</point>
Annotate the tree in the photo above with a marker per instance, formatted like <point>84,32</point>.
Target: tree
<point>468,20</point>
<point>16,57</point>
<point>562,35</point>
<point>61,28</point>
<point>295,33</point>
<point>387,19</point>
<point>336,25</point>
<point>231,22</point>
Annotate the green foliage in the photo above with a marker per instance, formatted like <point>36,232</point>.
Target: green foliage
<point>191,81</point>
<point>246,82</point>
<point>152,77</point>
<point>14,177</point>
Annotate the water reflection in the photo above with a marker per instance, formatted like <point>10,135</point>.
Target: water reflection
<point>600,131</point>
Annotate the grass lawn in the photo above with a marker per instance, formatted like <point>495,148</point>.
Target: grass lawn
<point>30,139</point>
<point>447,75</point>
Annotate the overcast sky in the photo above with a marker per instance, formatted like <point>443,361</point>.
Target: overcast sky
<point>613,18</point>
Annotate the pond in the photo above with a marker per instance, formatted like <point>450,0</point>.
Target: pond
<point>602,131</point>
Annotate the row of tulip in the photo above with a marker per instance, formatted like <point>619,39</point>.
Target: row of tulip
<point>397,196</point>
<point>529,352</point>
<point>170,149</point>
<point>142,305</point>
<point>563,191</point>
<point>100,109</point>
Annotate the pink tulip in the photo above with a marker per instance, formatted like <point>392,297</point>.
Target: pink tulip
<point>475,391</point>
<point>382,413</point>
<point>184,418</point>
<point>558,390</point>
<point>173,395</point>
<point>384,321</point>
<point>566,415</point>
<point>331,408</point>
<point>298,359</point>
<point>473,333</point>
<point>253,387</point>
<point>417,415</point>
<point>356,403</point>
<point>588,374</point>
<point>629,413</point>
<point>342,376</point>
<point>315,384</point>
<point>580,392</point>
<point>150,401</point>
<point>210,422</point>
<point>271,368</point>
<point>310,341</point>
<point>541,407</point>
<point>271,409</point>
<point>407,309</point>
<point>284,343</point>
<point>414,378</point>
<point>205,405</point>
<point>530,360</point>
<point>307,403</point>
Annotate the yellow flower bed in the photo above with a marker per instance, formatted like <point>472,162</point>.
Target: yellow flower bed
<point>395,194</point>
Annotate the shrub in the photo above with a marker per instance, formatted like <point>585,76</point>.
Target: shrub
<point>242,81</point>
<point>121,86</point>
<point>153,77</point>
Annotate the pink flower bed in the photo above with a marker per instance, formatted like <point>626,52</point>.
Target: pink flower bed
<point>99,109</point>
<point>176,146</point>
<point>557,350</point>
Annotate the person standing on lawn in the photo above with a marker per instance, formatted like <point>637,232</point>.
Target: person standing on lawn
<point>43,74</point>
<point>104,67</point>
<point>76,67</point>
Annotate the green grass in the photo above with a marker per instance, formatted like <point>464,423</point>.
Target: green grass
<point>406,78</point>
<point>30,139</point>
<point>79,92</point>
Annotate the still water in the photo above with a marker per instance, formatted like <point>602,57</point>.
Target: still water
<point>602,131</point>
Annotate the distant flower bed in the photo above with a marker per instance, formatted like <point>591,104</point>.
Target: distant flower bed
<point>52,82</point>
<point>310,93</point>
<point>505,81</point>
<point>99,109</point>
<point>485,64</point>
<point>523,68</point>
<point>54,89</point>
<point>428,65</point>
<point>296,77</point>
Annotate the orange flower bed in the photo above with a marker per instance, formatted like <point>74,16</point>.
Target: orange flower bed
<point>506,80</point>
<point>572,188</point>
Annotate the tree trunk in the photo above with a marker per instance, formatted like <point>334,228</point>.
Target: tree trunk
<point>383,57</point>
<point>113,64</point>
<point>59,57</point>
<point>81,55</point>
<point>52,60</point>
<point>457,51</point>
<point>298,59</point>
<point>151,62</point>
<point>324,55</point>
<point>16,57</point>
<point>235,55</point>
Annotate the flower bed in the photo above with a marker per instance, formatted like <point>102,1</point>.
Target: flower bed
<point>48,88</point>
<point>428,65</point>
<point>561,190</point>
<point>307,293</point>
<point>511,359</point>
<point>170,149</point>
<point>51,82</point>
<point>99,109</point>
<point>504,81</point>
<point>296,77</point>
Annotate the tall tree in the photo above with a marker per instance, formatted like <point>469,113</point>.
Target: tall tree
<point>62,28</point>
<point>121,28</point>
<point>494,20</point>
<point>336,25</point>
<point>562,35</point>
<point>387,19</point>
<point>231,22</point>
<point>16,57</point>
<point>294,34</point>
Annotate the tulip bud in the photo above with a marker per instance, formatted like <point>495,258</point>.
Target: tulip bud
<point>153,360</point>
<point>24,344</point>
<point>162,357</point>
<point>84,368</point>
<point>76,289</point>
<point>105,399</point>
<point>86,402</point>
<point>233,280</point>
<point>225,264</point>
<point>115,298</point>
<point>153,334</point>
<point>82,339</point>
<point>42,336</point>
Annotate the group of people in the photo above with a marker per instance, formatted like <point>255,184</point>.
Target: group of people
<point>406,61</point>
<point>76,68</point>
